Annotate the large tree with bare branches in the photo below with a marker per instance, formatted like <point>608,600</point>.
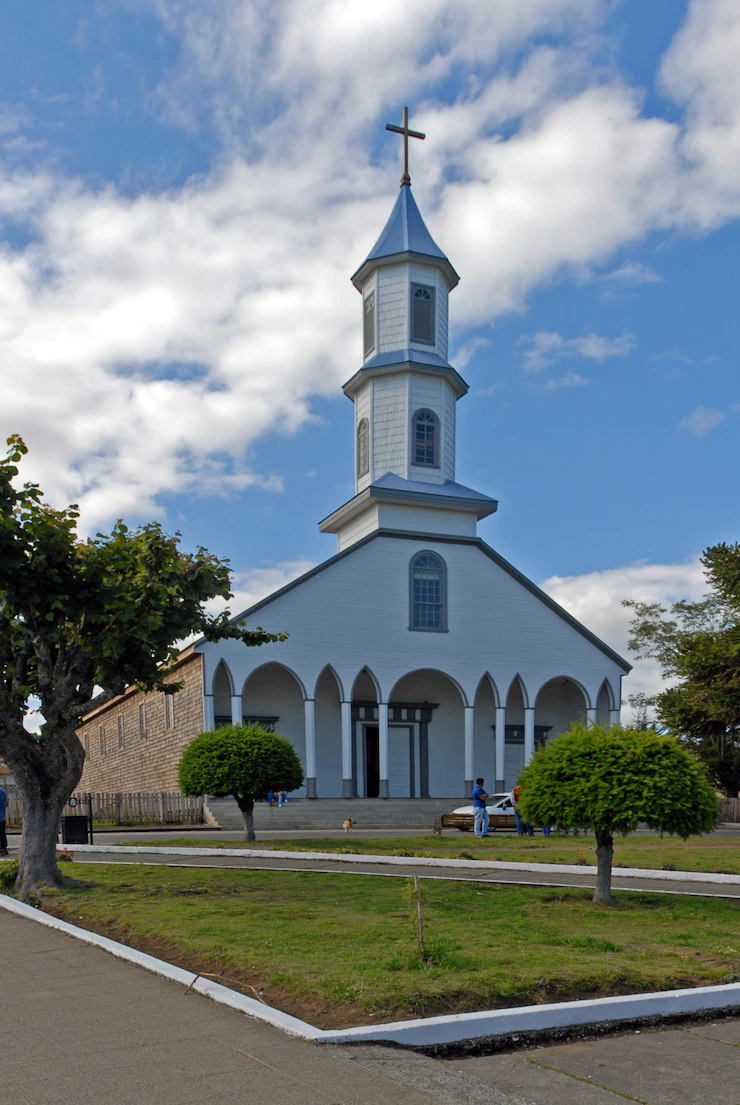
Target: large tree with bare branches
<point>79,614</point>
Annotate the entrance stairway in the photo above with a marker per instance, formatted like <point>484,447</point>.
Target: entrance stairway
<point>329,813</point>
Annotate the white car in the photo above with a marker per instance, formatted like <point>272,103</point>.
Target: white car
<point>500,815</point>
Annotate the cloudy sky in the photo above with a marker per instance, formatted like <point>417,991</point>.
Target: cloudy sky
<point>187,185</point>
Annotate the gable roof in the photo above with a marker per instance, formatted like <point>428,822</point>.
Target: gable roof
<point>408,535</point>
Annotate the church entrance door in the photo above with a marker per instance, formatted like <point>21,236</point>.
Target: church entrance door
<point>372,761</point>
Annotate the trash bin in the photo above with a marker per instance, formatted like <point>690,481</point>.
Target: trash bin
<point>74,829</point>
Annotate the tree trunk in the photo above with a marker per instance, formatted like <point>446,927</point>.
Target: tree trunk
<point>37,861</point>
<point>604,856</point>
<point>246,805</point>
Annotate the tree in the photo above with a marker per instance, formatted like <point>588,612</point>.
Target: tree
<point>244,761</point>
<point>79,614</point>
<point>698,644</point>
<point>608,780</point>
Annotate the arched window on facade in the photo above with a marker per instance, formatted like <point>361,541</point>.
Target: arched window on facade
<point>428,592</point>
<point>422,314</point>
<point>363,447</point>
<point>425,439</point>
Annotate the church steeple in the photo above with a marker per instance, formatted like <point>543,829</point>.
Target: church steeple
<point>406,390</point>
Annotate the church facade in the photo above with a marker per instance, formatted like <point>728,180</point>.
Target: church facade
<point>417,657</point>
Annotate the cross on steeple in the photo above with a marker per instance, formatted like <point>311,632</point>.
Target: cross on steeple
<point>404,130</point>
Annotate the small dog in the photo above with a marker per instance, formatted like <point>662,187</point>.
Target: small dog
<point>349,824</point>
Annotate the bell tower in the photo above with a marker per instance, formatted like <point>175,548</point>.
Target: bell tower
<point>406,391</point>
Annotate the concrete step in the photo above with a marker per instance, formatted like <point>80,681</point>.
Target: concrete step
<point>329,813</point>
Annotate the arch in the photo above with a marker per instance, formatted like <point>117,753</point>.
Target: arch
<point>425,439</point>
<point>366,671</point>
<point>427,592</point>
<point>486,702</point>
<point>332,670</point>
<point>327,708</point>
<point>519,682</point>
<point>565,679</point>
<point>363,448</point>
<point>604,704</point>
<point>609,690</point>
<point>222,667</point>
<point>426,739</point>
<point>275,664</point>
<point>488,678</point>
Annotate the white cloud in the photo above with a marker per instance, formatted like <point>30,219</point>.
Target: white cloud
<point>701,421</point>
<point>548,346</point>
<point>570,380</point>
<point>150,341</point>
<point>633,272</point>
<point>595,600</point>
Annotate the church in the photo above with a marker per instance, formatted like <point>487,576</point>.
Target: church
<point>417,658</point>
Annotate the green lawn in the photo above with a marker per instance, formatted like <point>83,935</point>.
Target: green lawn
<point>335,949</point>
<point>708,853</point>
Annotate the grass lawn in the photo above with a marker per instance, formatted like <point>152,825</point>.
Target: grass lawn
<point>708,853</point>
<point>340,949</point>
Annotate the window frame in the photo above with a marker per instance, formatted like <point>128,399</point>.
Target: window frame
<point>142,721</point>
<point>413,289</point>
<point>101,738</point>
<point>363,424</point>
<point>437,434</point>
<point>413,565</point>
<point>121,726</point>
<point>369,309</point>
<point>169,711</point>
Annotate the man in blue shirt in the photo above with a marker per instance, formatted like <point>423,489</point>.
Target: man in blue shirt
<point>479,808</point>
<point>3,812</point>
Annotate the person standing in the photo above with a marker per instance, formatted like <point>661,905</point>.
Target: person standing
<point>479,808</point>
<point>522,827</point>
<point>3,815</point>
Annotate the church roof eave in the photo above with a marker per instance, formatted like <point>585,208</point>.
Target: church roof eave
<point>406,360</point>
<point>358,278</point>
<point>394,489</point>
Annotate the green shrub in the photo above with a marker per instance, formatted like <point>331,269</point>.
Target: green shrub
<point>8,875</point>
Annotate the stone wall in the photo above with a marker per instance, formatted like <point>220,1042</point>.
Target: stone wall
<point>126,751</point>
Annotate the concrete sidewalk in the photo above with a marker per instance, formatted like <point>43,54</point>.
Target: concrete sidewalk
<point>83,1028</point>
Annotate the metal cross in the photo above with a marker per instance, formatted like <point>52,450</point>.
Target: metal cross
<point>404,130</point>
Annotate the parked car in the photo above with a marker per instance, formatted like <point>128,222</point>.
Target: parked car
<point>500,815</point>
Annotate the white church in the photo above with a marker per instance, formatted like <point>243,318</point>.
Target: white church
<point>417,657</point>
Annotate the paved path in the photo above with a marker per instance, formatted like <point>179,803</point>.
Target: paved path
<point>83,1028</point>
<point>268,862</point>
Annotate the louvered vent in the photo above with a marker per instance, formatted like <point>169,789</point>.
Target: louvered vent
<point>422,314</point>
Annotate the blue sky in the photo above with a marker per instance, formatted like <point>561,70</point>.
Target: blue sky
<point>185,189</point>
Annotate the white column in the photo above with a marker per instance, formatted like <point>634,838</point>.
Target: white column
<point>310,726</point>
<point>591,716</point>
<point>614,717</point>
<point>528,734</point>
<point>209,714</point>
<point>500,747</point>
<point>236,709</point>
<point>383,747</point>
<point>469,749</point>
<point>347,750</point>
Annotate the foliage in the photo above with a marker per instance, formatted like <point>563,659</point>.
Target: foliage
<point>8,874</point>
<point>241,760</point>
<point>608,780</point>
<point>698,644</point>
<point>79,613</point>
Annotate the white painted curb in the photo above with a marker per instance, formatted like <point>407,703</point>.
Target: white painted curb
<point>409,861</point>
<point>424,1032</point>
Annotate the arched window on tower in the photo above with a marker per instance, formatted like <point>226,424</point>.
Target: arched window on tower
<point>425,439</point>
<point>369,323</point>
<point>428,592</point>
<point>422,314</point>
<point>363,448</point>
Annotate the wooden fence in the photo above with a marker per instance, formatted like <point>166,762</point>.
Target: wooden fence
<point>729,809</point>
<point>159,807</point>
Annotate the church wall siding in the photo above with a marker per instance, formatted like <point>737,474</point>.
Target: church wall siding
<point>393,287</point>
<point>457,523</point>
<point>149,764</point>
<point>448,465</point>
<point>363,410</point>
<point>358,528</point>
<point>389,426</point>
<point>328,723</point>
<point>427,392</point>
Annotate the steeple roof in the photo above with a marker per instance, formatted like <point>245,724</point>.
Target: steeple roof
<point>405,237</point>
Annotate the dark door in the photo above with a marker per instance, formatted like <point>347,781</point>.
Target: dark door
<point>372,762</point>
